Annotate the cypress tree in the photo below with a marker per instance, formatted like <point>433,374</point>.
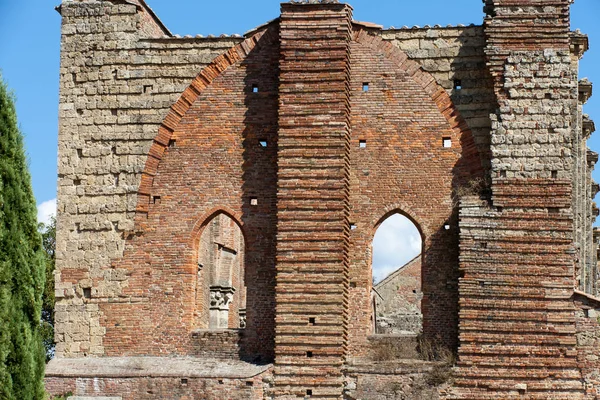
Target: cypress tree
<point>22,270</point>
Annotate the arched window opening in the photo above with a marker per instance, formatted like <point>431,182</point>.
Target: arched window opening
<point>220,288</point>
<point>396,266</point>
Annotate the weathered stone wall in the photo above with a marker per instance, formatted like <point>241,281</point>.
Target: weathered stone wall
<point>517,316</point>
<point>119,76</point>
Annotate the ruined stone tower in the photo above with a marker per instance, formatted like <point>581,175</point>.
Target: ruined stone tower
<point>218,198</point>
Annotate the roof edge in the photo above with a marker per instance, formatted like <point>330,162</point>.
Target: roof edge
<point>146,7</point>
<point>397,271</point>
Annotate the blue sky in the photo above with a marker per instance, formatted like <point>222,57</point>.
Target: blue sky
<point>29,55</point>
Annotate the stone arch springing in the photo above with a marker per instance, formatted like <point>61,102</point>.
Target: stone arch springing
<point>396,253</point>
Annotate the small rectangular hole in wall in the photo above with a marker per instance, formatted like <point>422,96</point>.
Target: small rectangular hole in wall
<point>147,88</point>
<point>554,174</point>
<point>76,182</point>
<point>447,227</point>
<point>586,313</point>
<point>362,144</point>
<point>499,209</point>
<point>263,143</point>
<point>156,199</point>
<point>365,86</point>
<point>457,84</point>
<point>483,245</point>
<point>309,392</point>
<point>254,88</point>
<point>220,381</point>
<point>79,111</point>
<point>446,142</point>
<point>253,201</point>
<point>309,354</point>
<point>184,381</point>
<point>352,227</point>
<point>249,383</point>
<point>553,210</point>
<point>79,153</point>
<point>548,96</point>
<point>352,284</point>
<point>502,174</point>
<point>172,143</point>
<point>87,293</point>
<point>116,179</point>
<point>113,111</point>
<point>312,321</point>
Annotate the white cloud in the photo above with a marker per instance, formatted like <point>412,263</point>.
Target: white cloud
<point>396,242</point>
<point>46,210</point>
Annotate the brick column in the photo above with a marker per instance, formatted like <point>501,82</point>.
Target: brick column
<point>313,200</point>
<point>517,320</point>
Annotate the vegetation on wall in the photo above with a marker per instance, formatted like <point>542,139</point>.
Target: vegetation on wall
<point>48,232</point>
<point>22,267</point>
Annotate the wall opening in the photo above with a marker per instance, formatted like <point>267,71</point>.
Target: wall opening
<point>396,267</point>
<point>220,287</point>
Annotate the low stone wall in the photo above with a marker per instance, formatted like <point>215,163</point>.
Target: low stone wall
<point>397,380</point>
<point>400,323</point>
<point>141,378</point>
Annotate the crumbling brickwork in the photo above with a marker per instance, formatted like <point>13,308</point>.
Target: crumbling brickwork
<point>218,199</point>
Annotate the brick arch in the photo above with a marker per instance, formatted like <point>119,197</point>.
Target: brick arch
<point>403,210</point>
<point>469,165</point>
<point>206,217</point>
<point>167,128</point>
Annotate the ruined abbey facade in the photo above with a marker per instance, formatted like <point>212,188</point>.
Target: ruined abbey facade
<point>218,197</point>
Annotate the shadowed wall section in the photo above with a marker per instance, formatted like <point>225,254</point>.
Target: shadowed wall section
<point>212,160</point>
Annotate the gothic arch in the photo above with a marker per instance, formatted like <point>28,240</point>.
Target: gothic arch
<point>469,165</point>
<point>167,128</point>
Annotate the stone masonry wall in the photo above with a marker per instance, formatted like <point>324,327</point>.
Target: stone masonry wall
<point>117,84</point>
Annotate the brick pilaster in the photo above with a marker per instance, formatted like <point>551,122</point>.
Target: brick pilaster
<point>517,320</point>
<point>313,199</point>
